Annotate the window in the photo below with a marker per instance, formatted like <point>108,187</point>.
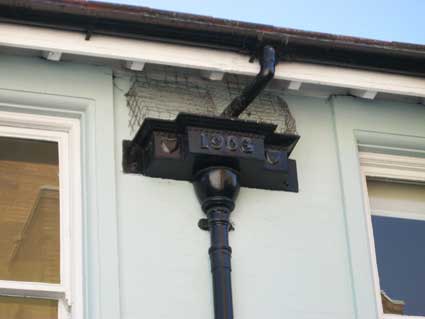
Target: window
<point>40,218</point>
<point>396,204</point>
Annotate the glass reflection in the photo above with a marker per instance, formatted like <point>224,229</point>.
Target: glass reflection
<point>28,308</point>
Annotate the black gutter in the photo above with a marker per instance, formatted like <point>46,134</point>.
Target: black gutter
<point>145,23</point>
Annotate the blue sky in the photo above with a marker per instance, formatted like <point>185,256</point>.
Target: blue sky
<point>391,20</point>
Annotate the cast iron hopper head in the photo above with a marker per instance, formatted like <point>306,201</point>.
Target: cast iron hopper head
<point>179,149</point>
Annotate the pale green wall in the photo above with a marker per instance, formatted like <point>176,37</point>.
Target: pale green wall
<point>302,255</point>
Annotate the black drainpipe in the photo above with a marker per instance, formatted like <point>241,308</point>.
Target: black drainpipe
<point>218,155</point>
<point>268,62</point>
<point>217,189</point>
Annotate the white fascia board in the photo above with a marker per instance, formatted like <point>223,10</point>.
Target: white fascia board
<point>352,78</point>
<point>29,37</point>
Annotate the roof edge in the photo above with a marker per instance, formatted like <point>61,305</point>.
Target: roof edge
<point>94,17</point>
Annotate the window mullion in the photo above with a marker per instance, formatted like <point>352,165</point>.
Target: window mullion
<point>31,289</point>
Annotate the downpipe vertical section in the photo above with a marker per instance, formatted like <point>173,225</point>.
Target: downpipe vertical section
<point>220,254</point>
<point>217,189</point>
<point>268,63</point>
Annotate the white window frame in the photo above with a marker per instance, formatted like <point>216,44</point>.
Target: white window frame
<point>396,167</point>
<point>66,132</point>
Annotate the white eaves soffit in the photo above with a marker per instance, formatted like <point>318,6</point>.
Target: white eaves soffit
<point>131,50</point>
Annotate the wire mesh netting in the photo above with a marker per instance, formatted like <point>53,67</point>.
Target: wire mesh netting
<point>163,92</point>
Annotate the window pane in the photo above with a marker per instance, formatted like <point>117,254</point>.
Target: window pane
<point>399,244</point>
<point>29,210</point>
<point>28,308</point>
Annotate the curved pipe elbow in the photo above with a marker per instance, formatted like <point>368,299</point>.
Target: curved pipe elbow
<point>249,93</point>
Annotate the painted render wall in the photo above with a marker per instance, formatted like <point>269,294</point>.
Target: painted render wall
<point>145,257</point>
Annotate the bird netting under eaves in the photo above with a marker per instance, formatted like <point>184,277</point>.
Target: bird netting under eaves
<point>163,92</point>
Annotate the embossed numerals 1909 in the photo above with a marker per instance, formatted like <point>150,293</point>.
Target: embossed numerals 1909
<point>226,142</point>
